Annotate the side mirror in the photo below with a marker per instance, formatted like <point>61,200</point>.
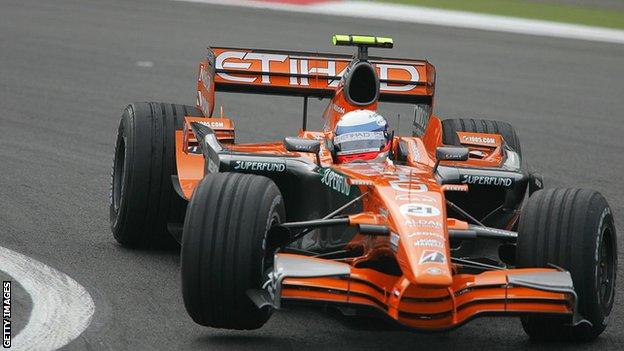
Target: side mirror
<point>450,153</point>
<point>297,144</point>
<point>402,151</point>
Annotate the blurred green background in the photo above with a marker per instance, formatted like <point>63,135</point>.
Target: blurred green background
<point>601,13</point>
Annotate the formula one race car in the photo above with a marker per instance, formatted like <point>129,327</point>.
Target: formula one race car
<point>429,230</point>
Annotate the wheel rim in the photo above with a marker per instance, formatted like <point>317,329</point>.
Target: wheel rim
<point>606,271</point>
<point>119,172</point>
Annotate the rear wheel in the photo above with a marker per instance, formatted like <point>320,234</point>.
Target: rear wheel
<point>572,229</point>
<point>223,248</point>
<point>450,127</point>
<point>489,209</point>
<point>142,199</point>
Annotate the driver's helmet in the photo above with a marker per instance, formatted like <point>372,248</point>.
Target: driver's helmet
<point>361,135</point>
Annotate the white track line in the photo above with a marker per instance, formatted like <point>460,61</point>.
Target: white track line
<point>62,308</point>
<point>417,14</point>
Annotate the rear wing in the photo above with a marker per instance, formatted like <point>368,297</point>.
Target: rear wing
<point>305,74</point>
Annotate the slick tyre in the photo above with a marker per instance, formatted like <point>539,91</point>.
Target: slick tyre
<point>450,127</point>
<point>142,198</point>
<point>572,229</point>
<point>489,199</point>
<point>223,248</point>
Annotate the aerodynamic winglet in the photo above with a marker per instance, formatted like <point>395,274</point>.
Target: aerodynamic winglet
<point>209,145</point>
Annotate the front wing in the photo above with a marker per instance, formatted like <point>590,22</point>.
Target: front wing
<point>300,279</point>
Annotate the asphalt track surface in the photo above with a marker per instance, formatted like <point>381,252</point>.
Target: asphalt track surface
<point>67,69</point>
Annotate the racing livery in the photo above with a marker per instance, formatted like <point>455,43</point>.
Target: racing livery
<point>429,230</point>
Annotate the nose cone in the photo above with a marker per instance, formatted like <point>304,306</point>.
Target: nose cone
<point>416,207</point>
<point>423,249</point>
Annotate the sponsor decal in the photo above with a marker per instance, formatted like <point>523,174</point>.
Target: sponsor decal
<point>430,256</point>
<point>415,151</point>
<point>407,186</point>
<point>433,271</point>
<point>403,197</point>
<point>437,235</point>
<point>403,180</point>
<point>365,168</point>
<point>371,149</point>
<point>336,181</point>
<point>206,80</point>
<point>413,197</point>
<point>422,114</point>
<point>423,223</point>
<point>429,243</point>
<point>6,314</point>
<point>212,124</point>
<point>405,172</point>
<point>356,136</point>
<point>338,109</point>
<point>455,187</point>
<point>259,166</point>
<point>396,173</point>
<point>477,139</point>
<point>361,182</point>
<point>394,241</point>
<point>452,156</point>
<point>203,103</point>
<point>304,70</point>
<point>384,69</point>
<point>419,210</point>
<point>487,180</point>
<point>267,63</point>
<point>224,61</point>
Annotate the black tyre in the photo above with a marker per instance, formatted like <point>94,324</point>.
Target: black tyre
<point>572,229</point>
<point>450,127</point>
<point>490,199</point>
<point>223,248</point>
<point>142,199</point>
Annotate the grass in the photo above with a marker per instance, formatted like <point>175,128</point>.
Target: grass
<point>591,16</point>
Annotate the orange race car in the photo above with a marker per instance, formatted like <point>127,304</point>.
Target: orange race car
<point>429,230</point>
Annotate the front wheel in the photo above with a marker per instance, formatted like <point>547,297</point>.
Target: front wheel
<point>223,248</point>
<point>572,229</point>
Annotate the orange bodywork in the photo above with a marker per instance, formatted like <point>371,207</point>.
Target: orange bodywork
<point>466,297</point>
<point>430,293</point>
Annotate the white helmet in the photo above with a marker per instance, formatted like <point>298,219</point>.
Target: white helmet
<point>362,135</point>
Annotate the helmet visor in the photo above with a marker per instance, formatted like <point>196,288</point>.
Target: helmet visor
<point>359,142</point>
